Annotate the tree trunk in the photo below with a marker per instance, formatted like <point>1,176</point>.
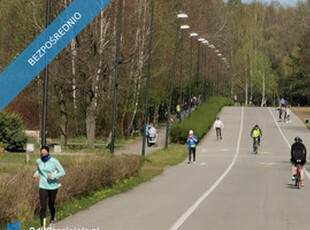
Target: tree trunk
<point>140,36</point>
<point>156,114</point>
<point>264,90</point>
<point>64,120</point>
<point>246,92</point>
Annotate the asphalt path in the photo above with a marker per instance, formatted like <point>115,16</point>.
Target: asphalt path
<point>228,188</point>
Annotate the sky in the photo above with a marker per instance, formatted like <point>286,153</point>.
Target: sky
<point>283,2</point>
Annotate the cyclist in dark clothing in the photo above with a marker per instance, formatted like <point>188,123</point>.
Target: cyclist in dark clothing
<point>298,157</point>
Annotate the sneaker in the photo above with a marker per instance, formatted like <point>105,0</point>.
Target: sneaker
<point>188,162</point>
<point>302,183</point>
<point>293,177</point>
<point>52,224</point>
<point>194,162</point>
<point>44,223</point>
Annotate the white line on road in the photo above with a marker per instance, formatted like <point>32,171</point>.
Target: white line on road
<point>189,212</point>
<point>285,139</point>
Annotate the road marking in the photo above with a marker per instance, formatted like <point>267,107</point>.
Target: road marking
<point>203,163</point>
<point>204,150</point>
<point>285,139</point>
<point>267,163</point>
<point>190,211</point>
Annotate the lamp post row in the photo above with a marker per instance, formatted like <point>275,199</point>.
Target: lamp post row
<point>183,27</point>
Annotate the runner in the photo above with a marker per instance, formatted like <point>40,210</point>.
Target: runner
<point>49,170</point>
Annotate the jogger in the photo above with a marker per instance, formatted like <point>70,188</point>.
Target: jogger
<point>49,170</point>
<point>218,125</point>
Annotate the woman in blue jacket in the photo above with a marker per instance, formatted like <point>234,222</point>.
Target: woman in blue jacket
<point>49,170</point>
<point>192,143</point>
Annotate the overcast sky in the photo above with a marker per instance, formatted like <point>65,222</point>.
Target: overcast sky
<point>283,2</point>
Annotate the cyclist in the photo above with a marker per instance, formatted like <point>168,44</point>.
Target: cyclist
<point>298,157</point>
<point>256,132</point>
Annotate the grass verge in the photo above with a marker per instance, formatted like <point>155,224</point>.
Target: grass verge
<point>303,113</point>
<point>154,164</point>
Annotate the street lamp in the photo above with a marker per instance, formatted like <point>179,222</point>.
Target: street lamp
<point>45,88</point>
<point>118,51</point>
<point>179,17</point>
<point>148,78</point>
<point>192,35</point>
<point>183,27</point>
<point>198,63</point>
<point>205,43</point>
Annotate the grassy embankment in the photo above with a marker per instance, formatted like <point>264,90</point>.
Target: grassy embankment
<point>153,165</point>
<point>303,113</point>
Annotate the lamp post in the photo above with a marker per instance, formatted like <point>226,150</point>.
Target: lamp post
<point>148,79</point>
<point>183,27</point>
<point>205,43</point>
<point>45,88</point>
<point>192,35</point>
<point>179,17</point>
<point>118,51</point>
<point>198,63</point>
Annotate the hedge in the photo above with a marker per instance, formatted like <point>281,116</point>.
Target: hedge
<point>200,121</point>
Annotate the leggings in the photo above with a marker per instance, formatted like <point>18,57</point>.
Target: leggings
<point>50,197</point>
<point>190,151</point>
<point>218,133</point>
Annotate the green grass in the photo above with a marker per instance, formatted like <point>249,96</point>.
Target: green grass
<point>154,165</point>
<point>79,144</point>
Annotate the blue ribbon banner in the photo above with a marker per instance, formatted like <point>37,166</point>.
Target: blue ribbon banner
<point>47,46</point>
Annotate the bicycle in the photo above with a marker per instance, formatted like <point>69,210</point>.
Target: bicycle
<point>297,177</point>
<point>255,145</point>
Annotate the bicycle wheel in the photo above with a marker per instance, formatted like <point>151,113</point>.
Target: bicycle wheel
<point>297,179</point>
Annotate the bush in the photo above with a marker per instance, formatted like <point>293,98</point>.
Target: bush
<point>19,198</point>
<point>200,121</point>
<point>12,135</point>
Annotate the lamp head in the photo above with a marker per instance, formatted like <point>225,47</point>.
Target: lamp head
<point>182,15</point>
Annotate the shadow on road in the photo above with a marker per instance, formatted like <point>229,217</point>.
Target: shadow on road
<point>291,186</point>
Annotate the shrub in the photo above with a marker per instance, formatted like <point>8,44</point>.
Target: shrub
<point>19,198</point>
<point>200,121</point>
<point>12,134</point>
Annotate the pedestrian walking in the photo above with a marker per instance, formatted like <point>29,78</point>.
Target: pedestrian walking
<point>185,109</point>
<point>49,170</point>
<point>288,114</point>
<point>192,143</point>
<point>218,125</point>
<point>178,110</point>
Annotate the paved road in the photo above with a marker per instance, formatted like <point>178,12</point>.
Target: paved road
<point>229,187</point>
<point>136,148</point>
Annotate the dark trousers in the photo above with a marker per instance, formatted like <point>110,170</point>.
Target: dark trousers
<point>258,139</point>
<point>190,152</point>
<point>47,197</point>
<point>218,133</point>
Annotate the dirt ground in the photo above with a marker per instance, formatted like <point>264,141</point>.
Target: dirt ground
<point>303,113</point>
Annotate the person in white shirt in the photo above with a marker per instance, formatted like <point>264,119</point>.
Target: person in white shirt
<point>218,125</point>
<point>288,114</point>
